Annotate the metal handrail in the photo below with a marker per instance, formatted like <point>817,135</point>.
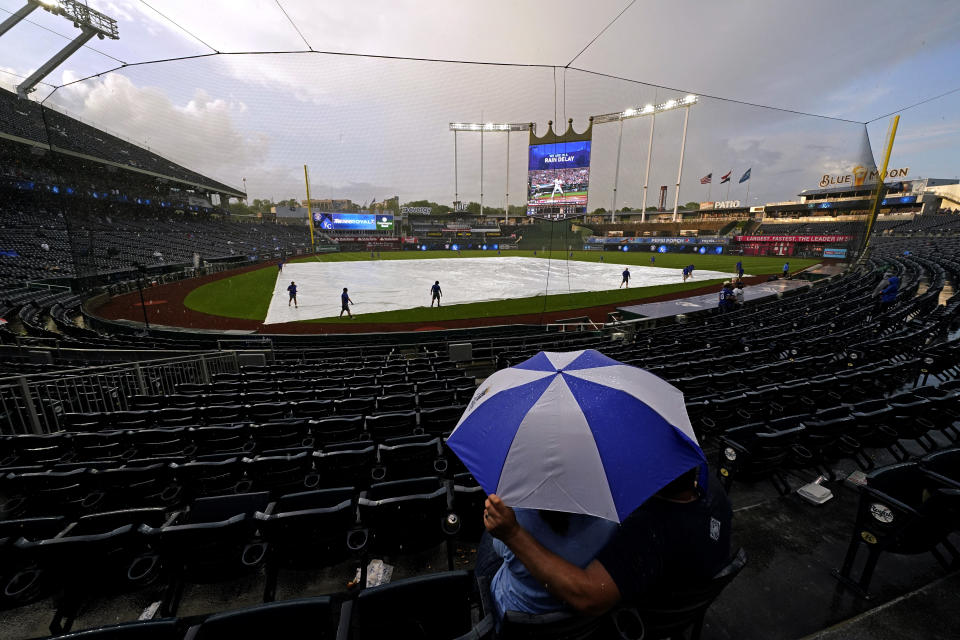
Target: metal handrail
<point>36,403</point>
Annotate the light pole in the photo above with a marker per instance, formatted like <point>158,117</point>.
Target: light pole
<point>683,146</point>
<point>486,127</point>
<point>637,112</point>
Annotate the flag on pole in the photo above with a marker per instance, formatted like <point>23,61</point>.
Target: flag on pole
<point>745,176</point>
<point>707,179</point>
<point>726,178</point>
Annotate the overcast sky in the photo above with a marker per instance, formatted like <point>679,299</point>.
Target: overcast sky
<point>373,128</point>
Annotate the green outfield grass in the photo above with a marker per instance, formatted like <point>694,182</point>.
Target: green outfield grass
<point>247,295</point>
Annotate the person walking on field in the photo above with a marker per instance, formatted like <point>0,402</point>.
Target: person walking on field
<point>345,301</point>
<point>292,290</point>
<point>740,269</point>
<point>786,269</point>
<point>626,278</point>
<point>435,293</point>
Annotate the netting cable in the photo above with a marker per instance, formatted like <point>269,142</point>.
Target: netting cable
<point>452,61</point>
<point>602,31</point>
<point>178,25</point>
<point>294,25</point>
<point>915,104</point>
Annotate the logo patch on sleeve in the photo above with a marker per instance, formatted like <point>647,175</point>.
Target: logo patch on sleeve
<point>714,529</point>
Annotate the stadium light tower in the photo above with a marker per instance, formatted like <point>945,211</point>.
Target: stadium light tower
<point>638,112</point>
<point>90,22</point>
<point>486,127</point>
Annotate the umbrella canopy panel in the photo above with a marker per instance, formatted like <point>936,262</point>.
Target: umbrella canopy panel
<point>576,432</point>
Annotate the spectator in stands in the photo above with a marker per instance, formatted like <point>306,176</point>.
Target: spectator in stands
<point>345,303</point>
<point>889,295</point>
<point>626,278</point>
<point>676,539</point>
<point>435,293</point>
<point>738,294</point>
<point>292,290</point>
<point>574,537</point>
<point>883,284</point>
<point>726,299</point>
<point>786,269</point>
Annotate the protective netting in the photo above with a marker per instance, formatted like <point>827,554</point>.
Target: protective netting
<point>371,128</point>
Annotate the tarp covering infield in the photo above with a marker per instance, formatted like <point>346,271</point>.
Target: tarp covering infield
<point>390,285</point>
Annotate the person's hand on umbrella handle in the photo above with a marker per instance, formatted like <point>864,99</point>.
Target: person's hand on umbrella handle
<point>499,519</point>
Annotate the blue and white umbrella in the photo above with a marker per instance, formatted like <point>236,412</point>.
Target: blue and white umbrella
<point>576,432</point>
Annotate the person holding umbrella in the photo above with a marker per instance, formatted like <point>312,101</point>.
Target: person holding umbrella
<point>582,433</point>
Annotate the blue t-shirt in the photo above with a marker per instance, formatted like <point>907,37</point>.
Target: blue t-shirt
<point>344,298</point>
<point>514,589</point>
<point>292,289</point>
<point>435,289</point>
<point>890,293</point>
<point>739,266</point>
<point>626,274</point>
<point>786,266</point>
<point>727,298</point>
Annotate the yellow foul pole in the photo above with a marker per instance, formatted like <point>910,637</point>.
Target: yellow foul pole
<point>878,194</point>
<point>306,178</point>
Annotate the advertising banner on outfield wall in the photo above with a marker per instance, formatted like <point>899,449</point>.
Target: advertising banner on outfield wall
<point>794,238</point>
<point>334,221</point>
<point>691,240</point>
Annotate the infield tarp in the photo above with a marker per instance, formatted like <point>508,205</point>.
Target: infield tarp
<point>390,285</point>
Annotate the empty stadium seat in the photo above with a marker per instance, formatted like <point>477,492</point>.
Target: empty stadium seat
<point>404,459</point>
<point>406,516</point>
<point>212,540</point>
<point>397,402</point>
<point>284,433</point>
<point>300,619</point>
<point>98,552</point>
<point>391,425</point>
<point>346,464</point>
<point>309,529</point>
<point>440,420</point>
<point>281,473</point>
<point>160,629</point>
<point>901,511</point>
<point>319,408</point>
<point>21,580</point>
<point>752,452</point>
<point>430,606</point>
<point>337,429</point>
